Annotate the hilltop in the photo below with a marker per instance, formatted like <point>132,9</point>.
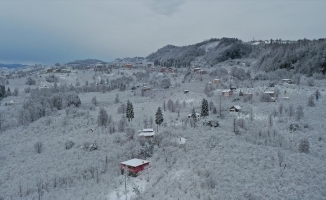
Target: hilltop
<point>302,56</point>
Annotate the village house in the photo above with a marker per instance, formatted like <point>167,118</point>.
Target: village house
<point>271,94</point>
<point>248,94</point>
<point>134,166</point>
<point>128,66</point>
<point>227,93</point>
<point>147,133</point>
<point>146,88</point>
<point>235,108</point>
<point>197,70</point>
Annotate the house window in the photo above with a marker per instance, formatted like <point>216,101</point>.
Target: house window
<point>130,167</point>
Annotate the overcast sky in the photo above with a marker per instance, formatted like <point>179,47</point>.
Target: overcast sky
<point>51,31</point>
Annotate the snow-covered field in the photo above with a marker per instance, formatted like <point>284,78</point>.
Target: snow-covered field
<point>261,161</point>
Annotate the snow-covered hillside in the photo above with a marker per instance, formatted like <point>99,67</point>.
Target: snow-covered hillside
<point>52,147</point>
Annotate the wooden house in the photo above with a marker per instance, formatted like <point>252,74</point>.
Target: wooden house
<point>134,166</point>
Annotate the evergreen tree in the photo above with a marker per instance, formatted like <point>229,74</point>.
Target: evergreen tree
<point>204,108</point>
<point>2,91</point>
<point>8,92</point>
<point>130,111</point>
<point>159,117</point>
<point>214,110</point>
<point>317,94</point>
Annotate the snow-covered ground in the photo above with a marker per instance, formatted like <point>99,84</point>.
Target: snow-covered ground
<point>262,161</point>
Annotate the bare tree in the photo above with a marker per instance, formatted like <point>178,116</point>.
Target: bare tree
<point>38,147</point>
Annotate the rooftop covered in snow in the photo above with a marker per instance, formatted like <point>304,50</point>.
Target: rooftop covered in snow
<point>134,162</point>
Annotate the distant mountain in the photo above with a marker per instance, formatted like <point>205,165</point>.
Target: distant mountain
<point>11,66</point>
<point>85,63</point>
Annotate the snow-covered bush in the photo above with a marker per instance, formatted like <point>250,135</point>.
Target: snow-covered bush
<point>30,81</point>
<point>304,145</point>
<point>51,78</point>
<point>90,146</point>
<point>311,101</point>
<point>69,144</point>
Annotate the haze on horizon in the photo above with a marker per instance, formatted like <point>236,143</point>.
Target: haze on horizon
<point>61,31</point>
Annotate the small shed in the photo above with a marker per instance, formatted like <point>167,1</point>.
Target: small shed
<point>134,166</point>
<point>235,108</point>
<point>146,132</point>
<point>186,91</point>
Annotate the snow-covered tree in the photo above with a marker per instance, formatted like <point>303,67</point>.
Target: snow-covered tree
<point>116,100</point>
<point>2,91</point>
<point>159,117</point>
<point>311,101</point>
<point>129,111</point>
<point>304,145</point>
<point>170,106</point>
<point>204,108</point>
<point>317,95</point>
<point>211,106</point>
<point>299,113</point>
<point>94,101</point>
<point>102,118</point>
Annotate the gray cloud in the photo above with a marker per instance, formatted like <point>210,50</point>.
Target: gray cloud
<point>62,31</point>
<point>165,7</point>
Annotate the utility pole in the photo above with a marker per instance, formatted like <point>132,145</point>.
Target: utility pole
<point>220,105</point>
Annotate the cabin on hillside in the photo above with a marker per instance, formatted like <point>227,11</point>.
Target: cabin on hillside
<point>128,66</point>
<point>235,108</point>
<point>227,93</point>
<point>217,81</point>
<point>134,166</point>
